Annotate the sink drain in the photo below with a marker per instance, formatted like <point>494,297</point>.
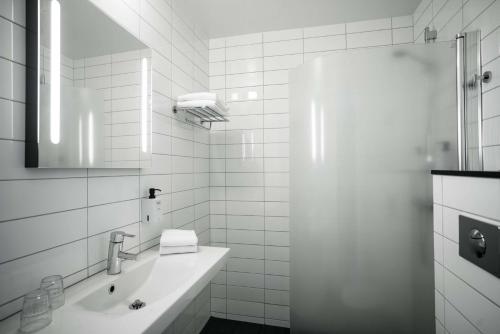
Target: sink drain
<point>137,304</point>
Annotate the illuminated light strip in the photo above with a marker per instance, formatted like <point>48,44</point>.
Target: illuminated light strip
<point>91,137</point>
<point>38,75</point>
<point>80,140</point>
<point>322,134</point>
<point>55,71</point>
<point>144,105</point>
<point>313,131</point>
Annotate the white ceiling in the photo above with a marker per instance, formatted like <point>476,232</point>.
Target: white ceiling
<point>220,18</point>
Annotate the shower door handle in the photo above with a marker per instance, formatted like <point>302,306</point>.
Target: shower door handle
<point>461,86</point>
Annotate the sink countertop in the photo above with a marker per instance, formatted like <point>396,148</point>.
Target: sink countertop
<point>185,275</point>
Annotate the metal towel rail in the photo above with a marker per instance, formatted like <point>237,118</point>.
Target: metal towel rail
<point>204,114</point>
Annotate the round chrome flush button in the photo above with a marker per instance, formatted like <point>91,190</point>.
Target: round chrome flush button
<point>477,242</point>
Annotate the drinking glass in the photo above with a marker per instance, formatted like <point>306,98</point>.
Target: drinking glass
<point>55,287</point>
<point>36,312</point>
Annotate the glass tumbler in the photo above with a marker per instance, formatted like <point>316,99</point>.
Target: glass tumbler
<point>36,312</point>
<point>55,287</point>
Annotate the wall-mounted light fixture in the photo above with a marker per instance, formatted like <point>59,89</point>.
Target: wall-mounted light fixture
<point>144,104</point>
<point>55,71</point>
<point>91,137</point>
<point>313,132</point>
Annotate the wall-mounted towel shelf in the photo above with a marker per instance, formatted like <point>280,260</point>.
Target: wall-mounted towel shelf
<point>204,114</point>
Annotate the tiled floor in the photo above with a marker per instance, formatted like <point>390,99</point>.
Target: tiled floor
<point>223,326</point>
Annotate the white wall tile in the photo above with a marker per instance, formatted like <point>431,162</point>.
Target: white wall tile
<point>217,55</point>
<point>438,218</point>
<point>482,281</point>
<point>371,38</point>
<point>336,29</point>
<point>490,46</point>
<point>282,62</point>
<point>477,309</point>
<point>369,25</point>
<point>244,179</point>
<point>64,260</point>
<point>402,21</point>
<point>438,248</point>
<point>325,43</point>
<point>243,66</point>
<point>456,323</point>
<point>111,216</point>
<point>245,294</point>
<point>216,43</point>
<point>40,233</point>
<point>44,196</point>
<point>437,188</point>
<point>276,92</point>
<point>244,94</point>
<point>439,306</point>
<point>282,35</point>
<point>244,52</point>
<point>246,222</point>
<point>283,47</point>
<point>245,237</point>
<point>104,190</point>
<point>402,35</point>
<point>244,39</point>
<point>473,195</point>
<point>246,108</point>
<point>244,80</point>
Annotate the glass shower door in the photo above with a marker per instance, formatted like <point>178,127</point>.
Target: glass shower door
<point>366,128</point>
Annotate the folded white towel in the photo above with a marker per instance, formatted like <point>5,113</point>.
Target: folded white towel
<point>177,238</point>
<point>214,105</point>
<point>197,96</point>
<point>165,250</point>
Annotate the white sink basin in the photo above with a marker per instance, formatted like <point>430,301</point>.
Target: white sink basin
<point>166,285</point>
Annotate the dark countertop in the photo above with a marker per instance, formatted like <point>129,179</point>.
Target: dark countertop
<point>486,174</point>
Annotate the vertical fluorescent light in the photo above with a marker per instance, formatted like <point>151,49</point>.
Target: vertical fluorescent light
<point>91,137</point>
<point>55,71</point>
<point>144,105</point>
<point>80,140</point>
<point>322,135</point>
<point>313,131</point>
<point>39,55</point>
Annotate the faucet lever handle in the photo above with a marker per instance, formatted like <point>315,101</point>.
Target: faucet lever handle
<point>118,236</point>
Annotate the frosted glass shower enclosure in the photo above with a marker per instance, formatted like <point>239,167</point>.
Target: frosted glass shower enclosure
<point>367,126</point>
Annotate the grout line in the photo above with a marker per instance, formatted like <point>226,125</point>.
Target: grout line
<point>460,312</point>
<point>87,220</point>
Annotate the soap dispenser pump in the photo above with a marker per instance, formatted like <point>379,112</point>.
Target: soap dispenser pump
<point>152,192</point>
<point>151,207</point>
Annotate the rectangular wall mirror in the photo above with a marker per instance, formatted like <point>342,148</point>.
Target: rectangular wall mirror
<point>88,89</point>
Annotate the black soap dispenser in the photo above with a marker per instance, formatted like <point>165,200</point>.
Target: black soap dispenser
<point>151,208</point>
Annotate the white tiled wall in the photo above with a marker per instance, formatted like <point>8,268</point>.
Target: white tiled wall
<point>467,297</point>
<point>249,195</point>
<point>59,220</point>
<point>450,17</point>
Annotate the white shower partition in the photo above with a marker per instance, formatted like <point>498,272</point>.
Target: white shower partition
<point>366,127</point>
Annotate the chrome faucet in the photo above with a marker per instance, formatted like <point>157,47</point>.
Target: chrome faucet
<point>115,253</point>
